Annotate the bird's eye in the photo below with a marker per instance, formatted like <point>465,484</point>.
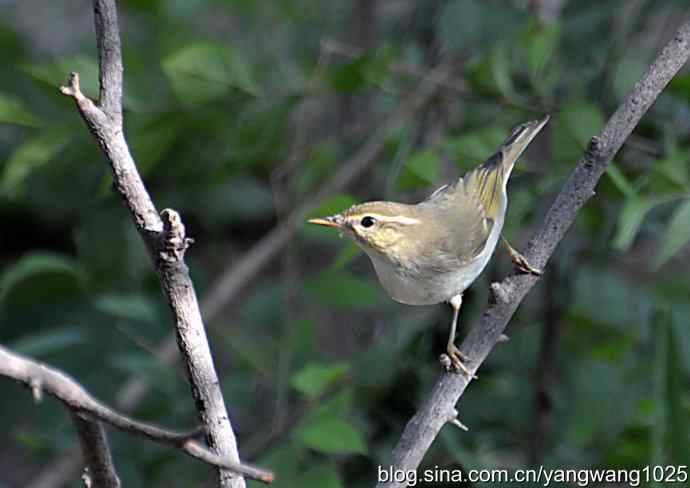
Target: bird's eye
<point>367,221</point>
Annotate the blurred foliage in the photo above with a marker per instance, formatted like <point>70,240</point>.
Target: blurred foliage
<point>237,112</point>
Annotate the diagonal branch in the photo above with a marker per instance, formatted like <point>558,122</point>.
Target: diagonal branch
<point>164,238</point>
<point>100,470</point>
<point>109,60</point>
<point>85,409</point>
<point>250,264</point>
<point>439,406</point>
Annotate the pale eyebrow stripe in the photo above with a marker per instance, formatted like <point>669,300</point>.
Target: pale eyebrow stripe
<point>398,219</point>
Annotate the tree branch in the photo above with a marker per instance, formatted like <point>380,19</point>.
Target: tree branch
<point>165,239</point>
<point>439,406</point>
<point>250,264</point>
<point>109,60</point>
<point>99,470</point>
<point>87,410</point>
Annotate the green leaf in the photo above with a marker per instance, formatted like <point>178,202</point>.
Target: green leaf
<point>501,69</point>
<point>227,200</point>
<point>48,341</point>
<point>347,253</point>
<point>670,426</point>
<point>331,436</point>
<point>583,120</point>
<point>128,307</point>
<point>679,425</point>
<point>54,74</point>
<point>151,137</point>
<point>680,85</point>
<point>319,477</point>
<point>474,146</point>
<point>677,233</point>
<point>337,406</point>
<point>540,43</point>
<point>674,168</point>
<point>146,366</point>
<point>631,217</point>
<point>349,77</point>
<point>627,73</point>
<point>333,205</point>
<point>574,127</point>
<point>460,24</point>
<point>620,181</point>
<point>491,73</point>
<point>465,23</point>
<point>284,460</point>
<point>205,71</point>
<point>35,264</point>
<point>339,288</point>
<point>28,157</point>
<point>13,111</point>
<point>313,379</point>
<point>421,169</point>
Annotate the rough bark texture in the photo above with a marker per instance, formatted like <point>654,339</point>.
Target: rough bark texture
<point>166,245</point>
<point>244,269</point>
<point>100,470</point>
<point>88,413</point>
<point>439,406</point>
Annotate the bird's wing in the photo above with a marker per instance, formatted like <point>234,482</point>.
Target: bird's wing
<point>469,208</point>
<point>438,192</point>
<point>464,229</point>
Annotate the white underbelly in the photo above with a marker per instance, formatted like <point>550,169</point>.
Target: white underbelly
<point>410,289</point>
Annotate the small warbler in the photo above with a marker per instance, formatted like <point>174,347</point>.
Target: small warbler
<point>431,252</point>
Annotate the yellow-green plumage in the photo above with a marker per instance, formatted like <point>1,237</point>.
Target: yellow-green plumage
<point>432,251</point>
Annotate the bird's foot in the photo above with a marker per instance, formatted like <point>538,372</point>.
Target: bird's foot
<point>523,265</point>
<point>519,260</point>
<point>453,361</point>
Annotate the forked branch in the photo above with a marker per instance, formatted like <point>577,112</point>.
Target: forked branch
<point>85,409</point>
<point>439,406</point>
<point>163,235</point>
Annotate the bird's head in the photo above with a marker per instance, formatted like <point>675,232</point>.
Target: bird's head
<point>386,228</point>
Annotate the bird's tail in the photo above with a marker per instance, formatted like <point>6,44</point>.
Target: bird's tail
<point>513,147</point>
<point>488,181</point>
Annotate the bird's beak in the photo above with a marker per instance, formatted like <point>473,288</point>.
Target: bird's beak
<point>332,221</point>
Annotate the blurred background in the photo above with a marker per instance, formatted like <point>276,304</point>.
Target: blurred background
<point>248,117</point>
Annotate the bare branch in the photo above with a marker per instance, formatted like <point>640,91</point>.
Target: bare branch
<point>87,408</point>
<point>231,280</point>
<point>507,295</point>
<point>269,246</point>
<point>94,445</point>
<point>166,245</point>
<point>109,59</point>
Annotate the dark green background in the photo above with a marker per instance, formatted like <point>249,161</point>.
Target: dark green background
<point>235,114</point>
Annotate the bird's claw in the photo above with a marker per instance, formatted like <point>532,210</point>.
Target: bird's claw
<point>453,361</point>
<point>523,265</point>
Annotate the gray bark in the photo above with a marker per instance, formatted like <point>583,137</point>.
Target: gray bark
<point>439,406</point>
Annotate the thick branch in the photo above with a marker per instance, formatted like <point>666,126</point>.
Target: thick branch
<point>507,295</point>
<point>257,258</point>
<point>109,60</point>
<point>166,246</point>
<point>41,377</point>
<point>100,470</point>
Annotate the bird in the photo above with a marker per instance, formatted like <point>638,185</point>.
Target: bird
<point>432,251</point>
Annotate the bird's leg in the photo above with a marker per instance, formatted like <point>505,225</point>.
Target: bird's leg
<point>519,260</point>
<point>456,358</point>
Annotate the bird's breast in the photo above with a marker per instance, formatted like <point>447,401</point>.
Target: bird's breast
<point>415,283</point>
<point>412,286</point>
